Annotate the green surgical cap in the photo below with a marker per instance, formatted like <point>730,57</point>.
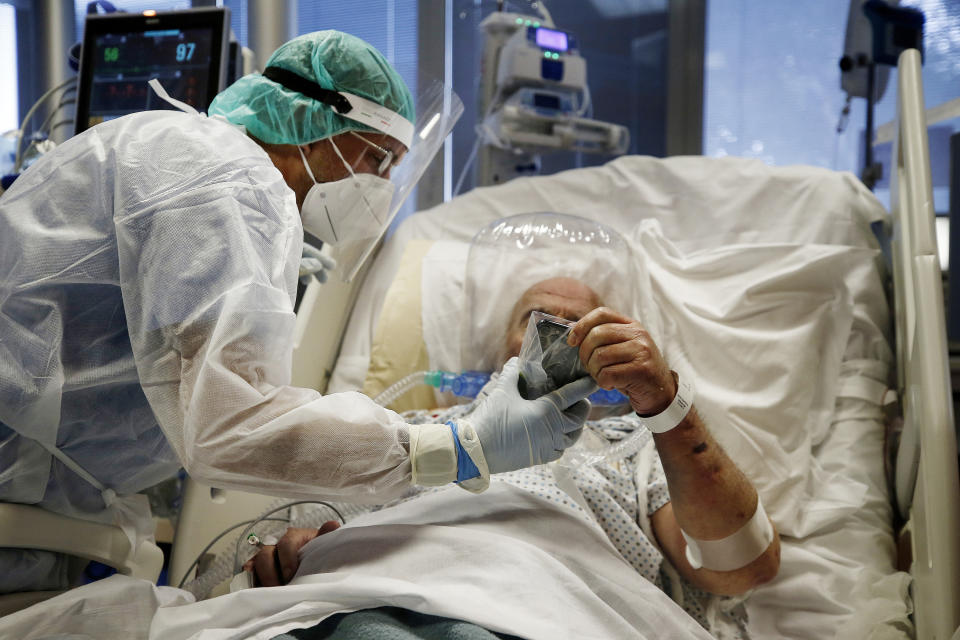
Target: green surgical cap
<point>334,60</point>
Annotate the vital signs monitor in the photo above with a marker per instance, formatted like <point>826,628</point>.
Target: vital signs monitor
<point>185,50</point>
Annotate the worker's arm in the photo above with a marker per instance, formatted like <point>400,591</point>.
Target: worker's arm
<point>711,498</point>
<point>207,270</point>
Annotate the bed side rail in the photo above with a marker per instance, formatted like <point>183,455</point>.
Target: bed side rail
<point>928,488</point>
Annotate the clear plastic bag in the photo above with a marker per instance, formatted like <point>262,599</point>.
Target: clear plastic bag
<point>547,362</point>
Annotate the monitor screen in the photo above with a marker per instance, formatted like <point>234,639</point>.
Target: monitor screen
<point>550,39</point>
<point>185,50</point>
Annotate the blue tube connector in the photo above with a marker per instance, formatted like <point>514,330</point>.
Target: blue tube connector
<point>602,397</point>
<point>465,385</point>
<point>469,383</point>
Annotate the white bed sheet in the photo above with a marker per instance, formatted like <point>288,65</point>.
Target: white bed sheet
<point>838,577</point>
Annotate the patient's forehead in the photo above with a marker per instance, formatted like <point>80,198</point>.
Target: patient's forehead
<point>564,297</point>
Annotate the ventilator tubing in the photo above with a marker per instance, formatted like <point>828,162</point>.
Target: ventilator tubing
<point>736,550</point>
<point>574,458</point>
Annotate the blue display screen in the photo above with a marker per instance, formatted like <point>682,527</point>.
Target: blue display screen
<point>550,39</point>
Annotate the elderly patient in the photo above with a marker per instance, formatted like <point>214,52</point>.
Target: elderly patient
<point>639,508</point>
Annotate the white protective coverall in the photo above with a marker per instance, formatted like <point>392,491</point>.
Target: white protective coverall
<point>148,270</point>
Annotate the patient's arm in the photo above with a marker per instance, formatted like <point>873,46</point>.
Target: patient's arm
<point>710,497</point>
<point>275,565</point>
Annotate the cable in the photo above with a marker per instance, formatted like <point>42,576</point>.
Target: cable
<point>482,133</point>
<point>54,112</point>
<point>466,166</point>
<point>587,103</point>
<point>243,534</point>
<point>545,14</point>
<point>57,125</point>
<point>224,565</point>
<point>26,119</point>
<point>213,542</point>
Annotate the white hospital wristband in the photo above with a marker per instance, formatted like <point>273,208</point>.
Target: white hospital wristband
<point>675,413</point>
<point>736,550</point>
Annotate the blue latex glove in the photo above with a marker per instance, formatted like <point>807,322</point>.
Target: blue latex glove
<point>315,264</point>
<point>515,433</point>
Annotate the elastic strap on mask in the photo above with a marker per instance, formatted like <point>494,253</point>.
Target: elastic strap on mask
<point>736,550</point>
<point>306,164</point>
<point>354,176</point>
<point>336,150</point>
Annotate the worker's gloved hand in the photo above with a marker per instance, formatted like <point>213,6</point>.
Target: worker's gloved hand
<point>515,433</point>
<point>315,264</point>
<point>503,433</point>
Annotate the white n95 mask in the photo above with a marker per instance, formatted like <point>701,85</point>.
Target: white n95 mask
<point>346,211</point>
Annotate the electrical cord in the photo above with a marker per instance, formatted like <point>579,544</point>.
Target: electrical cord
<point>243,535</point>
<point>586,109</point>
<point>23,124</point>
<point>57,125</point>
<point>467,165</point>
<point>544,13</point>
<point>483,132</point>
<point>214,541</point>
<point>54,112</point>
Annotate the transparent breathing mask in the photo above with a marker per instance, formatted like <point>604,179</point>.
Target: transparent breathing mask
<point>512,259</point>
<point>383,171</point>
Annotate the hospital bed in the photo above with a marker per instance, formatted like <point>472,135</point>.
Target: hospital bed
<point>839,574</point>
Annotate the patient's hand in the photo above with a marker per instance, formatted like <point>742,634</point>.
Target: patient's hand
<point>619,353</point>
<point>275,565</point>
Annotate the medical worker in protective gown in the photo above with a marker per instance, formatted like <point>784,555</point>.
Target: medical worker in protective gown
<point>148,270</point>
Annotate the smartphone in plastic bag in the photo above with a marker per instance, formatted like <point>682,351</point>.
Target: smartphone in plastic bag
<point>547,362</point>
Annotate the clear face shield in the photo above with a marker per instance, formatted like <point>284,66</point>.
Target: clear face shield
<point>352,214</point>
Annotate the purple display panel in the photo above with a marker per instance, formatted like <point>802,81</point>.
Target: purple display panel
<point>550,39</point>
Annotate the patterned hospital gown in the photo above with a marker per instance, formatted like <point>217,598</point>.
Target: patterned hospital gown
<point>612,493</point>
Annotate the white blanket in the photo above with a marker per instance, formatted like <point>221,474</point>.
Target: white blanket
<point>116,608</point>
<point>506,560</point>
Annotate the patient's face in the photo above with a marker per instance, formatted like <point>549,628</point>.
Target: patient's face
<point>563,297</point>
